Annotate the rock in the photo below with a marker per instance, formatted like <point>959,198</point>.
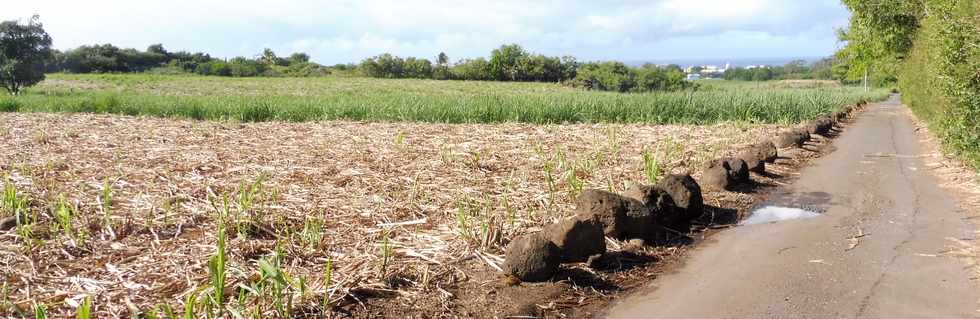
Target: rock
<point>785,139</point>
<point>577,238</point>
<point>722,174</point>
<point>607,208</point>
<point>838,116</point>
<point>766,150</point>
<point>685,192</point>
<point>821,125</point>
<point>621,217</point>
<point>825,124</point>
<point>532,258</point>
<point>793,138</point>
<point>8,223</point>
<point>738,170</point>
<point>640,221</point>
<point>755,160</point>
<point>803,134</point>
<point>660,205</point>
<point>715,175</point>
<point>813,127</point>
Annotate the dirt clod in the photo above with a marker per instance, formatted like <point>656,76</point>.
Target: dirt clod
<point>685,192</point>
<point>793,138</point>
<point>609,209</point>
<point>715,176</point>
<point>755,160</point>
<point>532,258</point>
<point>822,125</point>
<point>738,170</point>
<point>577,238</point>
<point>660,204</point>
<point>766,150</point>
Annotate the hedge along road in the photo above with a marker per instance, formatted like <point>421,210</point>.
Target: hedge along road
<point>874,252</point>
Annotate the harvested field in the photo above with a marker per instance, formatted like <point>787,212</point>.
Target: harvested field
<point>401,210</point>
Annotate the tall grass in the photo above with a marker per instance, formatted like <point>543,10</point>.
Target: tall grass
<point>253,100</point>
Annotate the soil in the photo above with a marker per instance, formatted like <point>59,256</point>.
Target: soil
<point>165,172</point>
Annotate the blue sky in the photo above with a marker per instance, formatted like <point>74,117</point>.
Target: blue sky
<point>349,30</point>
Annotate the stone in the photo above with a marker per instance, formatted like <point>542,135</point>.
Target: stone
<point>792,138</point>
<point>607,208</point>
<point>685,192</point>
<point>738,170</point>
<point>715,176</point>
<point>577,238</point>
<point>660,204</point>
<point>723,173</point>
<point>532,258</point>
<point>767,150</point>
<point>821,125</point>
<point>755,160</point>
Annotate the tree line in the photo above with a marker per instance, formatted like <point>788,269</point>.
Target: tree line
<point>794,70</point>
<point>512,63</point>
<point>107,58</point>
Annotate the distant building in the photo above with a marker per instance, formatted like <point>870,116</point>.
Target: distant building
<point>706,71</point>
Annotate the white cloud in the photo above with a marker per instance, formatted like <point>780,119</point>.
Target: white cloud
<point>349,30</point>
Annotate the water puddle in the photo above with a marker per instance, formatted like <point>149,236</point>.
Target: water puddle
<point>771,214</point>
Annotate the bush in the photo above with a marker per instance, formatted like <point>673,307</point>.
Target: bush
<point>939,79</point>
<point>472,70</point>
<point>605,76</point>
<point>305,69</point>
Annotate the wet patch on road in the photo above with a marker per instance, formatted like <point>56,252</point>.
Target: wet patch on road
<point>772,214</point>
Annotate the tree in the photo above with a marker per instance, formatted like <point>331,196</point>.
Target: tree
<point>269,57</point>
<point>879,37</point>
<point>298,58</point>
<point>24,49</point>
<point>158,49</point>
<point>503,62</point>
<point>442,59</point>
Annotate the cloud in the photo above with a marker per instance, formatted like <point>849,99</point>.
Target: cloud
<point>349,30</point>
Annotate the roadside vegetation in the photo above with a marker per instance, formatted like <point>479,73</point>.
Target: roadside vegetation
<point>366,99</point>
<point>931,49</point>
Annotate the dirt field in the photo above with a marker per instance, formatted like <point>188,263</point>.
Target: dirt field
<point>400,210</point>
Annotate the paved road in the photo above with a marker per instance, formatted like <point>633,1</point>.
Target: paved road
<point>874,184</point>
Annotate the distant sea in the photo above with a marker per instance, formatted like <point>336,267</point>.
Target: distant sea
<point>736,62</point>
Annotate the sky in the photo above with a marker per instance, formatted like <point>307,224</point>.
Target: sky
<point>341,31</point>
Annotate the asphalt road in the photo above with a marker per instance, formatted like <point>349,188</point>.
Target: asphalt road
<point>874,252</point>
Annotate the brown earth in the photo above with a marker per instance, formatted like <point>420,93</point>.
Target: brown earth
<point>398,188</point>
<point>580,291</point>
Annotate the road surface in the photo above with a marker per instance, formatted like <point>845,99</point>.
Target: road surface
<point>874,252</point>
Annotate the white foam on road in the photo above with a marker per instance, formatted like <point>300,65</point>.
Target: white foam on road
<point>771,214</point>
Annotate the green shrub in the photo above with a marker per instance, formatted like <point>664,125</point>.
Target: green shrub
<point>939,79</point>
